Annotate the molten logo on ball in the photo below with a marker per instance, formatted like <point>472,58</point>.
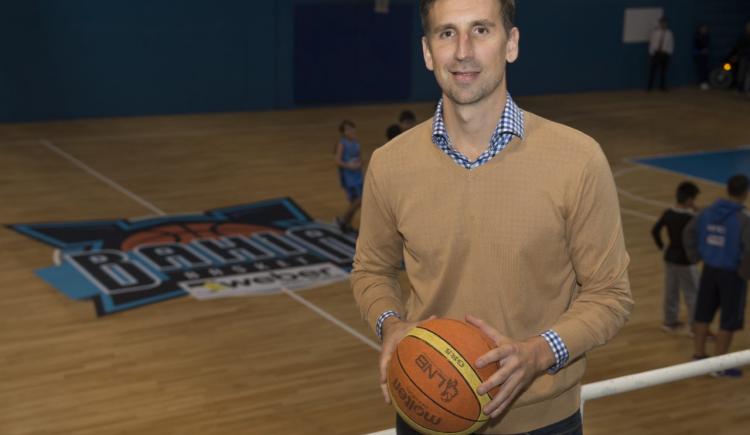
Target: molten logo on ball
<point>415,407</point>
<point>433,382</point>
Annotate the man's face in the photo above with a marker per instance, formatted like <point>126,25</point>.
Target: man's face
<point>467,48</point>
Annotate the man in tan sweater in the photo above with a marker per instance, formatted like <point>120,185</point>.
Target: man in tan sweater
<point>501,217</point>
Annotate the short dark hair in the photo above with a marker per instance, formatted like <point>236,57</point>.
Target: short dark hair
<point>685,191</point>
<point>346,123</point>
<point>737,185</point>
<point>406,115</point>
<point>392,131</point>
<point>507,8</point>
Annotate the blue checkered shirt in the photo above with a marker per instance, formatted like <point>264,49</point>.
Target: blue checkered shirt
<point>511,124</point>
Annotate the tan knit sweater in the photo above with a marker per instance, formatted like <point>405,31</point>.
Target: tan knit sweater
<point>530,241</point>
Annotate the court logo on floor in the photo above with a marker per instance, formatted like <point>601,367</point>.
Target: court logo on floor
<point>250,249</point>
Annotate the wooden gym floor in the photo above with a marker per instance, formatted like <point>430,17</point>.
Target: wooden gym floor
<point>271,365</point>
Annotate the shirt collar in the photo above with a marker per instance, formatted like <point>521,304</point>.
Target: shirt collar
<point>511,122</point>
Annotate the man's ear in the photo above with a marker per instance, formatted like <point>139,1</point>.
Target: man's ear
<point>426,54</point>
<point>511,48</point>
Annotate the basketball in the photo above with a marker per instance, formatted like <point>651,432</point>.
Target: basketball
<point>432,379</point>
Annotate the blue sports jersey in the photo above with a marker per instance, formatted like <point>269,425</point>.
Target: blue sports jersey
<point>351,153</point>
<point>719,235</point>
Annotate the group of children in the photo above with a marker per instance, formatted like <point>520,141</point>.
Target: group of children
<point>719,236</point>
<point>348,159</point>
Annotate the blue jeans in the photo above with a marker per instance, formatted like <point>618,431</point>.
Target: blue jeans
<point>572,425</point>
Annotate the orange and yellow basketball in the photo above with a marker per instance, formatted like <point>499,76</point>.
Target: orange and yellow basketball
<point>432,378</point>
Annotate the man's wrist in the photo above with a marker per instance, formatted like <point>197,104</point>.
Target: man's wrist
<point>544,356</point>
<point>387,318</point>
<point>389,323</point>
<point>559,351</point>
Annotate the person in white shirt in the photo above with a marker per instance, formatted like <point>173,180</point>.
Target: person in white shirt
<point>660,48</point>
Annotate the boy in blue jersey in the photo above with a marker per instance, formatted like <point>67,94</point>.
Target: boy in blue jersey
<point>349,162</point>
<point>720,236</point>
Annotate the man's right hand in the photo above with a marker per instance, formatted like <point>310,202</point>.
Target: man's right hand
<point>394,330</point>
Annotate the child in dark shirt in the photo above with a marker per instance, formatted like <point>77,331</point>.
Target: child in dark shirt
<point>680,272</point>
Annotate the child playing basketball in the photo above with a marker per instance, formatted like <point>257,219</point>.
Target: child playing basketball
<point>350,172</point>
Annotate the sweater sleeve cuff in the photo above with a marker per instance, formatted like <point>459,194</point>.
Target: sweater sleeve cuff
<point>557,345</point>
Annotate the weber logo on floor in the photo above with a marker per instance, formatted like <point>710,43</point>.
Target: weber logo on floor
<point>251,249</point>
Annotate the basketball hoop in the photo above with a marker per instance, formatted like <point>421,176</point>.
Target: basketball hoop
<point>381,6</point>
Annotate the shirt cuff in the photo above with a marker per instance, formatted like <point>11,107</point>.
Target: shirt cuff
<point>558,348</point>
<point>381,320</point>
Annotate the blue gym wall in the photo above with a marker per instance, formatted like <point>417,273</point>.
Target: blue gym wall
<point>576,45</point>
<point>88,58</point>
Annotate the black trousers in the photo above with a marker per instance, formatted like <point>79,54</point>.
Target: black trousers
<point>702,68</point>
<point>568,426</point>
<point>659,63</point>
<point>725,290</point>
<point>743,74</point>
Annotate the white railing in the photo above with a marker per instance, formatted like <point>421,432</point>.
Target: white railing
<point>664,375</point>
<point>651,378</point>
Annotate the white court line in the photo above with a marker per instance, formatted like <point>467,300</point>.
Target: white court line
<point>626,170</point>
<point>161,212</point>
<point>331,319</point>
<point>639,214</point>
<point>686,153</point>
<point>681,174</point>
<point>635,197</point>
<point>157,135</point>
<point>101,177</point>
<point>19,142</point>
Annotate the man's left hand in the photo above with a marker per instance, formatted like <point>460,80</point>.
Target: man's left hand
<point>518,362</point>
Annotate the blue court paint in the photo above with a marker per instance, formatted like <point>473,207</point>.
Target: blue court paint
<point>715,166</point>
